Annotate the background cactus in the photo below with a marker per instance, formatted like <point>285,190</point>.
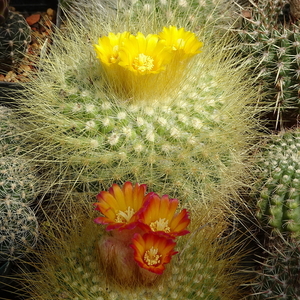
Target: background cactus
<point>278,270</point>
<point>18,229</point>
<point>279,184</point>
<point>15,35</point>
<point>269,33</point>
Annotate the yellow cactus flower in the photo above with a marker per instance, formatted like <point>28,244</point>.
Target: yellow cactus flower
<point>185,43</point>
<point>107,49</point>
<point>144,54</point>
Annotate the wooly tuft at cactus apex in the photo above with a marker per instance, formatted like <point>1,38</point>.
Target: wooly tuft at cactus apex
<point>143,96</point>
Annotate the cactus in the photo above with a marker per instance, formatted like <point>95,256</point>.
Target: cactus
<point>18,178</point>
<point>18,229</point>
<point>190,134</point>
<point>272,40</point>
<point>15,35</point>
<point>70,268</point>
<point>279,184</point>
<point>278,271</point>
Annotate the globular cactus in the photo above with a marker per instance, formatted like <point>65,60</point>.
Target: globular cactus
<point>189,132</point>
<point>15,35</point>
<point>278,270</point>
<point>279,185</point>
<point>18,229</point>
<point>271,37</point>
<point>70,268</point>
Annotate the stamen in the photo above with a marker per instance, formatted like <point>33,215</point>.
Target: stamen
<point>151,257</point>
<point>160,225</point>
<point>143,63</point>
<point>124,216</point>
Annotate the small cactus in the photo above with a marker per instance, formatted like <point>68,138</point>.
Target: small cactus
<point>272,39</point>
<point>278,270</point>
<point>15,35</point>
<point>279,185</point>
<point>18,229</point>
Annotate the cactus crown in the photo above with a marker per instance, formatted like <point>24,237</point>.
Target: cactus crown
<point>3,10</point>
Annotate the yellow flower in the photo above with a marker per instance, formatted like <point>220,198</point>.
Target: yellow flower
<point>107,49</point>
<point>144,55</point>
<point>181,41</point>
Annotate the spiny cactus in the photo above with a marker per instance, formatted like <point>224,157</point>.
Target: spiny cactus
<point>18,229</point>
<point>272,39</point>
<point>189,134</point>
<point>15,35</point>
<point>70,267</point>
<point>18,178</point>
<point>278,271</point>
<point>279,185</point>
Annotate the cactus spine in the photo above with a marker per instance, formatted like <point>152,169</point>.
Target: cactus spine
<point>278,271</point>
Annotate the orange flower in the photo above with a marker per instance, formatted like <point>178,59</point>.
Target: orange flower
<point>152,252</point>
<point>120,207</point>
<point>158,215</point>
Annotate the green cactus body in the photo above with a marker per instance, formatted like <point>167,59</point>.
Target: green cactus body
<point>18,229</point>
<point>274,44</point>
<point>279,200</point>
<point>15,36</point>
<point>278,273</point>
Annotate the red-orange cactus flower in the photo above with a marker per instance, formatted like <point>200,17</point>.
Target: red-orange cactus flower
<point>120,206</point>
<point>158,215</point>
<point>152,251</point>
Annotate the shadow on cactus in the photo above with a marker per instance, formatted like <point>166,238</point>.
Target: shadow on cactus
<point>80,260</point>
<point>92,123</point>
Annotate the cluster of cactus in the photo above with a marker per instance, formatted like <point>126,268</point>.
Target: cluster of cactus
<point>279,269</point>
<point>18,223</point>
<point>188,138</point>
<point>270,34</point>
<point>279,184</point>
<point>15,36</point>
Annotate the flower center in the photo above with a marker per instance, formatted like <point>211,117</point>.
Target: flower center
<point>143,63</point>
<point>160,225</point>
<point>151,257</point>
<point>124,216</point>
